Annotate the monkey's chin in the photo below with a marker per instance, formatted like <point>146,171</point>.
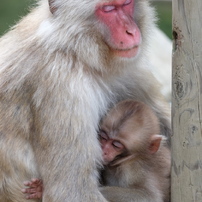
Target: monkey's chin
<point>105,163</point>
<point>127,53</point>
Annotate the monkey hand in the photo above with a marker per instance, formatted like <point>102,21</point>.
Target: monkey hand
<point>34,189</point>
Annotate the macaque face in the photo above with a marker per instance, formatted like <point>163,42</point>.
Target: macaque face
<point>120,31</point>
<point>111,148</point>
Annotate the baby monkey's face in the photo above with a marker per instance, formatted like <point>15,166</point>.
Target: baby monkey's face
<point>111,148</point>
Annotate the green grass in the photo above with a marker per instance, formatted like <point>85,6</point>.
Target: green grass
<point>164,11</point>
<point>12,10</point>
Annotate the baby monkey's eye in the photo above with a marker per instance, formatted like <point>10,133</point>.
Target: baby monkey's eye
<point>118,145</point>
<point>103,135</point>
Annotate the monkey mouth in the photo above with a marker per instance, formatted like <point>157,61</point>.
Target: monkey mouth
<point>128,52</point>
<point>127,49</point>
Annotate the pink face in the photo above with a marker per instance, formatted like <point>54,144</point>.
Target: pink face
<point>122,34</point>
<point>111,148</point>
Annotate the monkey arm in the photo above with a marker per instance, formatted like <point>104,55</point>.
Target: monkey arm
<point>17,158</point>
<point>120,194</point>
<point>66,146</point>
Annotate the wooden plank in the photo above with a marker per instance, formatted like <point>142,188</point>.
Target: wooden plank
<point>187,102</point>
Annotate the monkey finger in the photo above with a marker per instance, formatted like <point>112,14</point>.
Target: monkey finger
<point>27,183</point>
<point>29,191</point>
<point>35,180</point>
<point>33,184</point>
<point>34,196</point>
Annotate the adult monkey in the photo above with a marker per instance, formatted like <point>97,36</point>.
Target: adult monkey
<point>61,68</point>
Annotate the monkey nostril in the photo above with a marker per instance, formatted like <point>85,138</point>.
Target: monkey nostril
<point>129,33</point>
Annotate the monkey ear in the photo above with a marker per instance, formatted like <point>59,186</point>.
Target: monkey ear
<point>155,143</point>
<point>52,7</point>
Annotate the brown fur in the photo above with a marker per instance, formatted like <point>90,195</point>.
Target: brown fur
<point>137,174</point>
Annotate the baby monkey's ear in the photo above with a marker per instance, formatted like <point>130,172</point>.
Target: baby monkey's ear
<point>155,143</point>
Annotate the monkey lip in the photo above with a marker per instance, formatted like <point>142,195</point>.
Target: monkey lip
<point>127,53</point>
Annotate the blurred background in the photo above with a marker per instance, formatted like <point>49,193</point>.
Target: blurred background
<point>12,10</point>
<point>164,14</point>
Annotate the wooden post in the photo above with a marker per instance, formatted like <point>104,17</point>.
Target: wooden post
<point>186,141</point>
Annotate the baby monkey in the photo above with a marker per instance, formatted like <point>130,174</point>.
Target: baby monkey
<point>135,156</point>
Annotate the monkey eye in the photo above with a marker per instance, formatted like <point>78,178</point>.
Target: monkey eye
<point>103,135</point>
<point>108,8</point>
<point>127,2</point>
<point>118,145</point>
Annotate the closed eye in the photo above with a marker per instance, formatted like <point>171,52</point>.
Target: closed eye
<point>108,8</point>
<point>103,135</point>
<point>118,145</point>
<point>127,2</point>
